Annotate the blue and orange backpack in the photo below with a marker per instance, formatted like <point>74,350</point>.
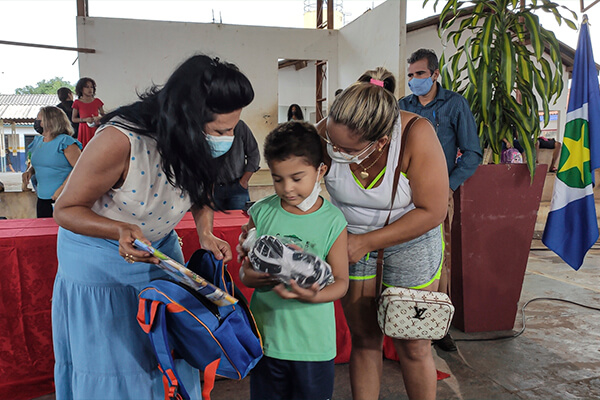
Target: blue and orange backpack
<point>181,323</point>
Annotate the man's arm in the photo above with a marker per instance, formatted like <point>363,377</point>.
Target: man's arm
<point>251,152</point>
<point>468,143</point>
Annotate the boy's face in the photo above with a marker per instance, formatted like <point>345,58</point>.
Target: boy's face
<point>294,179</point>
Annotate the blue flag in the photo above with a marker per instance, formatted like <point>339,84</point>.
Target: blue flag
<point>572,228</point>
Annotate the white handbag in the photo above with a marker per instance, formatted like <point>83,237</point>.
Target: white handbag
<point>409,313</point>
<point>414,314</point>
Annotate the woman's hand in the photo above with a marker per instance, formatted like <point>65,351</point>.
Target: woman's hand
<point>296,292</point>
<point>219,247</point>
<point>357,248</point>
<point>128,233</point>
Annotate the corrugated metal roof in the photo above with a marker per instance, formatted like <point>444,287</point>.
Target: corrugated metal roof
<point>24,107</point>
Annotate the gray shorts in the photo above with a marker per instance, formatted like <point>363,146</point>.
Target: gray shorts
<point>414,264</point>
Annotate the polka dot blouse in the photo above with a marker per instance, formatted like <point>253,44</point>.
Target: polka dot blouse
<point>146,199</point>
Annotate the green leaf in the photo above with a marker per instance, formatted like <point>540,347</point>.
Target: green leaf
<point>547,76</point>
<point>508,63</point>
<point>570,24</point>
<point>472,74</point>
<point>532,23</point>
<point>487,38</point>
<point>484,89</point>
<point>524,67</point>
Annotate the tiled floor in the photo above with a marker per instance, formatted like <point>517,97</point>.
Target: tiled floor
<point>557,357</point>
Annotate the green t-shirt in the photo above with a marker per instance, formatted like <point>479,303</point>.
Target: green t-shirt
<point>291,329</point>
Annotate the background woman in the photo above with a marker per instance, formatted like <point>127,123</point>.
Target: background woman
<point>148,165</point>
<point>53,156</point>
<point>87,109</point>
<point>295,113</point>
<point>363,134</point>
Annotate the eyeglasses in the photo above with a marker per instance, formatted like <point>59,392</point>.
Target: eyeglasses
<point>345,152</point>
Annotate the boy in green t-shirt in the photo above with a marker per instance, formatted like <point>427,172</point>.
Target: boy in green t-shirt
<point>297,324</point>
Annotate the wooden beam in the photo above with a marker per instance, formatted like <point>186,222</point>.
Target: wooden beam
<point>47,46</point>
<point>330,6</point>
<point>82,8</point>
<point>584,9</point>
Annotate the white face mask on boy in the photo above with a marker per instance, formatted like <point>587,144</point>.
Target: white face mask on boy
<point>310,201</point>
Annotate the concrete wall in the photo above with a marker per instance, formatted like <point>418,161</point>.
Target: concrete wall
<point>373,40</point>
<point>298,87</point>
<point>131,54</point>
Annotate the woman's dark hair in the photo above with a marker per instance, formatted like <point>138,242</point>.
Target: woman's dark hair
<point>81,84</point>
<point>175,115</point>
<point>294,138</point>
<point>295,111</point>
<point>63,94</point>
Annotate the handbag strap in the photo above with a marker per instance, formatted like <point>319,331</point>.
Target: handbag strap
<point>379,276</point>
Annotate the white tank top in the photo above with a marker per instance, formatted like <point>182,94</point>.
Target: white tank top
<point>146,198</point>
<point>367,209</point>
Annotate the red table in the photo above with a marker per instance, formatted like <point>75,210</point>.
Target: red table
<point>28,268</point>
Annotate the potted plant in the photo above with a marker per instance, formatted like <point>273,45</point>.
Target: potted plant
<point>508,67</point>
<point>500,67</point>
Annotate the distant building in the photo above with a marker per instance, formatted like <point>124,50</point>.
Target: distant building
<point>17,113</point>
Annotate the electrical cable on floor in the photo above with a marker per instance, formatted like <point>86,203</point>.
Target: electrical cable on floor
<point>523,316</point>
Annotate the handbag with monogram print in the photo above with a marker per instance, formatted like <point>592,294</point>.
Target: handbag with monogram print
<point>414,314</point>
<point>409,313</point>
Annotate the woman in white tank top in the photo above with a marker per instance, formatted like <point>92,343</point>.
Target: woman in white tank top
<point>363,135</point>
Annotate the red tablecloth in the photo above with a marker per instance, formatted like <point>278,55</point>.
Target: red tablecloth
<point>28,268</point>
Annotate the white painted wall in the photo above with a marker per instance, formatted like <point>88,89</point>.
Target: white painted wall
<point>370,41</point>
<point>298,87</point>
<point>131,54</point>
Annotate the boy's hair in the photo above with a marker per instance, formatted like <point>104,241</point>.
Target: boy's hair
<point>56,121</point>
<point>294,138</point>
<point>81,83</point>
<point>432,60</point>
<point>63,94</point>
<point>369,110</point>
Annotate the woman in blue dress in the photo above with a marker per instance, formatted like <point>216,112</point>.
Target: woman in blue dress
<point>145,168</point>
<point>53,155</point>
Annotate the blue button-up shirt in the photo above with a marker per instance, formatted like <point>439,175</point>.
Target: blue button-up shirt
<point>455,126</point>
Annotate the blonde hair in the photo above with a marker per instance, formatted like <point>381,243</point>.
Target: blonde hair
<point>55,121</point>
<point>368,109</point>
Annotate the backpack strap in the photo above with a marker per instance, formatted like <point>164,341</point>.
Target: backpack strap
<point>174,388</point>
<point>152,319</point>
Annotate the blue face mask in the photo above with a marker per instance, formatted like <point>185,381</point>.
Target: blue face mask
<point>420,86</point>
<point>219,145</point>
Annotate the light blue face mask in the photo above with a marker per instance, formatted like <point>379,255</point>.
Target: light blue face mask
<point>219,145</point>
<point>420,86</point>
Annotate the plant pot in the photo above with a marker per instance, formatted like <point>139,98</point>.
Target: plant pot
<point>494,220</point>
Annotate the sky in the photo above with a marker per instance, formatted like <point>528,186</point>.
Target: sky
<point>52,22</point>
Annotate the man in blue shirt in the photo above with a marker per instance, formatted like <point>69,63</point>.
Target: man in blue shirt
<point>453,121</point>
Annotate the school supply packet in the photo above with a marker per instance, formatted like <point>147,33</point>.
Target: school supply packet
<point>188,277</point>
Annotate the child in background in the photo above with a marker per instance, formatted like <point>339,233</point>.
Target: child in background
<point>87,109</point>
<point>297,325</point>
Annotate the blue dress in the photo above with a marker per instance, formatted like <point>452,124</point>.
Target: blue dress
<point>100,350</point>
